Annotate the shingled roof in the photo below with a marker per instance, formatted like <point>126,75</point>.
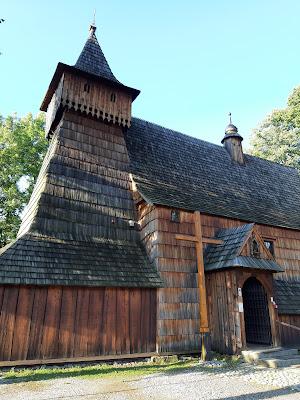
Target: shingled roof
<point>227,254</point>
<point>76,229</point>
<point>43,260</point>
<point>180,171</point>
<point>92,59</point>
<point>287,296</point>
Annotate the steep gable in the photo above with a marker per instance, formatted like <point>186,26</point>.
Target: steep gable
<point>236,251</point>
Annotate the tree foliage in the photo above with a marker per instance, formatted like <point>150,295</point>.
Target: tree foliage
<point>22,148</point>
<point>278,136</point>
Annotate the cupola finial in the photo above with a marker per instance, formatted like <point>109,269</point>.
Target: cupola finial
<point>233,142</point>
<point>93,24</point>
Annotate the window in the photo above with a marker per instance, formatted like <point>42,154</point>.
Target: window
<point>113,97</point>
<point>175,216</point>
<point>270,246</point>
<point>86,88</point>
<point>255,249</point>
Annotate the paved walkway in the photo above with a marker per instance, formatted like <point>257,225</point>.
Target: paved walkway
<point>246,382</point>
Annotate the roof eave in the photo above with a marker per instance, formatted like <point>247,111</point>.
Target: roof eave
<point>62,68</point>
<point>216,214</point>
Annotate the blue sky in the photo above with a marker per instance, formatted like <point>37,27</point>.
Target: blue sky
<point>194,61</point>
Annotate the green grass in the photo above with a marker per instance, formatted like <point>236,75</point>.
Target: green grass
<point>96,371</point>
<point>114,370</point>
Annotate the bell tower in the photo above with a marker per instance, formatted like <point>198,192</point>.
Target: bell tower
<point>84,189</point>
<point>88,88</point>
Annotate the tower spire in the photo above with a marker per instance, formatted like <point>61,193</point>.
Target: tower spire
<point>92,59</point>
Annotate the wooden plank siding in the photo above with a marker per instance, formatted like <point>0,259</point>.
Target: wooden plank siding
<point>289,336</point>
<point>67,322</point>
<point>178,301</point>
<point>226,322</point>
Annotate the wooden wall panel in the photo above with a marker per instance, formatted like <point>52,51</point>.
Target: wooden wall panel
<point>49,345</point>
<point>22,324</point>
<point>64,322</point>
<point>177,306</point>
<point>178,301</point>
<point>225,320</point>
<point>289,336</point>
<point>37,322</point>
<point>7,321</point>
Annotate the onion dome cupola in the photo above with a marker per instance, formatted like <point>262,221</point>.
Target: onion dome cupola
<point>89,87</point>
<point>232,141</point>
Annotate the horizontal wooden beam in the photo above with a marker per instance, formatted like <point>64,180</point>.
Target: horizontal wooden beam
<point>75,359</point>
<point>187,238</point>
<point>288,325</point>
<point>194,239</point>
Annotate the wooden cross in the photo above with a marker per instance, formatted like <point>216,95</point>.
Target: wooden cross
<point>199,240</point>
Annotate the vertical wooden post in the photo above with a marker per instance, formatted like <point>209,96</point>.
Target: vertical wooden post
<point>203,317</point>
<point>204,329</point>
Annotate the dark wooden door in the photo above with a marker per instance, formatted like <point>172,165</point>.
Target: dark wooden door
<point>256,313</point>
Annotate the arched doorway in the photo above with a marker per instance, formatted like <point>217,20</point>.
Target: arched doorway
<point>256,313</point>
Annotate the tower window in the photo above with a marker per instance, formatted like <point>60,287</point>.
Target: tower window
<point>113,97</point>
<point>270,246</point>
<point>86,88</point>
<point>175,216</point>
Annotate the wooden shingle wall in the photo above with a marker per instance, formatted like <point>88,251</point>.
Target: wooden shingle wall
<point>178,303</point>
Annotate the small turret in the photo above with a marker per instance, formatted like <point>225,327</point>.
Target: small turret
<point>232,142</point>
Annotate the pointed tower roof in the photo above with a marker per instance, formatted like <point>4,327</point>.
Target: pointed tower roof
<point>91,64</point>
<point>92,59</point>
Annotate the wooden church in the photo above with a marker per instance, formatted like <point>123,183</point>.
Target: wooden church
<point>139,240</point>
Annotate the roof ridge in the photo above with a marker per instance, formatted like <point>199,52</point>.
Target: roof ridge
<point>212,144</point>
<point>177,132</point>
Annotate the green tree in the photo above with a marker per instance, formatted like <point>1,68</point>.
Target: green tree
<point>278,136</point>
<point>22,148</point>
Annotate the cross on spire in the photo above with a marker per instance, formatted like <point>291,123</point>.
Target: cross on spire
<point>230,121</point>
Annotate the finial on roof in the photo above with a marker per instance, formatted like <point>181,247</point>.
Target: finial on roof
<point>231,129</point>
<point>93,24</point>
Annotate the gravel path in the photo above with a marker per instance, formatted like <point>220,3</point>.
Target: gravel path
<point>245,382</point>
